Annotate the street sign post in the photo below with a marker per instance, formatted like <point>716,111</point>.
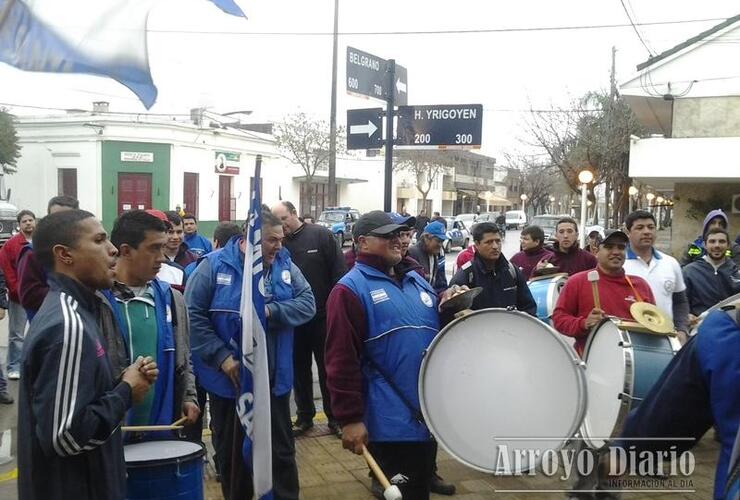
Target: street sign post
<point>455,126</point>
<point>401,86</point>
<point>364,128</point>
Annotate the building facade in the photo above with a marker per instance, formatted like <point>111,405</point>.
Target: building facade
<point>691,111</point>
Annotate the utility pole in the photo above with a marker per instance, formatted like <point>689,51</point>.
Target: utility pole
<point>388,181</point>
<point>332,181</point>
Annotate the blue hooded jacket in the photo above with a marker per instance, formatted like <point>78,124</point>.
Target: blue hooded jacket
<point>213,296</point>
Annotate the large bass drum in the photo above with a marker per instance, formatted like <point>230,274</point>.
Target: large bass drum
<point>623,361</point>
<point>499,388</point>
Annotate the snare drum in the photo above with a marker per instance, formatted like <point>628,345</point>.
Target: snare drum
<point>496,382</point>
<point>545,291</point>
<point>623,361</point>
<point>164,470</point>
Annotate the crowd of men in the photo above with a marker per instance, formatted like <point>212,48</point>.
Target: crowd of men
<point>143,327</point>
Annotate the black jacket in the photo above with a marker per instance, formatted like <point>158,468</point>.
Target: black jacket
<point>705,287</point>
<point>70,408</point>
<point>316,253</point>
<point>503,286</point>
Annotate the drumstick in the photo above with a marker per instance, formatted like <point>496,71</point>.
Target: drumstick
<point>150,428</point>
<point>179,421</point>
<point>390,491</point>
<point>593,277</point>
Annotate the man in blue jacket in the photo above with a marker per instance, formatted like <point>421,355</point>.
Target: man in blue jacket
<point>714,277</point>
<point>154,322</point>
<point>381,317</point>
<point>195,242</point>
<point>213,296</point>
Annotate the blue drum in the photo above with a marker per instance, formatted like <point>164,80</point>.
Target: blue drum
<point>545,291</point>
<point>164,470</point>
<point>623,361</point>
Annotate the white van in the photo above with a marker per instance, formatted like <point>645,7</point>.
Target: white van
<point>515,219</point>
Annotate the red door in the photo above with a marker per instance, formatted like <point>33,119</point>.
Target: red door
<point>224,198</point>
<point>190,193</point>
<point>134,192</point>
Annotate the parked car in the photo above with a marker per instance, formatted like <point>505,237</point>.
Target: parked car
<point>548,224</point>
<point>489,217</point>
<point>457,235</point>
<point>468,219</point>
<point>515,219</point>
<point>340,220</point>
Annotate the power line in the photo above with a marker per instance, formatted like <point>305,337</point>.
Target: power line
<point>637,32</point>
<point>440,32</point>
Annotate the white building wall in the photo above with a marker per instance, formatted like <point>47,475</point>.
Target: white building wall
<point>36,180</point>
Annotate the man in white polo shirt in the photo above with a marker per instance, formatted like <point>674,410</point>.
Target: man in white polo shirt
<point>660,270</point>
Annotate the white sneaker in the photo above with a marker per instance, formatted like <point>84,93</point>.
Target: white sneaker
<point>14,375</point>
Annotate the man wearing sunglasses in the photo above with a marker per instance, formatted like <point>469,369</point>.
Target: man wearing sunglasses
<point>381,317</point>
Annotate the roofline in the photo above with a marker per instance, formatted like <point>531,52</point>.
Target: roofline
<point>689,42</point>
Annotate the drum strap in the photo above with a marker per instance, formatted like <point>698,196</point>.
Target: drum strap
<point>637,294</point>
<point>416,413</point>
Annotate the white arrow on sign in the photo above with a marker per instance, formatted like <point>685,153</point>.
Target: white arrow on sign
<point>400,86</point>
<point>368,129</point>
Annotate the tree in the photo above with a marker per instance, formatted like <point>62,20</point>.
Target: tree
<point>304,140</point>
<point>426,166</point>
<point>593,132</point>
<point>9,148</point>
<point>535,180</point>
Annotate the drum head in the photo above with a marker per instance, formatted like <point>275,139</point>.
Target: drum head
<point>160,452</point>
<point>606,376</point>
<point>495,383</point>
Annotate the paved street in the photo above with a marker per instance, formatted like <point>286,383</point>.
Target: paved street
<point>329,472</point>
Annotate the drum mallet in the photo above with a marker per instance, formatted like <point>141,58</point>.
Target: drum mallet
<point>390,491</point>
<point>593,277</point>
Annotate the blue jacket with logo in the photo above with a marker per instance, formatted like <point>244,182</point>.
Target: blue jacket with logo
<point>401,323</point>
<point>198,244</point>
<point>213,296</point>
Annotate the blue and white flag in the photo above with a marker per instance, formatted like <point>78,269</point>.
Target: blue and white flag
<point>253,406</point>
<point>97,37</point>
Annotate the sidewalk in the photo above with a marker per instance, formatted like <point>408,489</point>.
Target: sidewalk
<point>328,472</point>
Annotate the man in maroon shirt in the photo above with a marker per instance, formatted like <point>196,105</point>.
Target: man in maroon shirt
<point>533,251</point>
<point>575,314</point>
<point>567,256</point>
<point>32,286</point>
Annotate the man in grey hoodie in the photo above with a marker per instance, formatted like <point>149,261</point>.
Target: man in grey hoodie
<point>696,249</point>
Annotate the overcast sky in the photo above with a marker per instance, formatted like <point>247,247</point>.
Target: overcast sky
<point>230,64</point>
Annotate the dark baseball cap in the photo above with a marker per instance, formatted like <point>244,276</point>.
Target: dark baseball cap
<point>612,236</point>
<point>375,223</point>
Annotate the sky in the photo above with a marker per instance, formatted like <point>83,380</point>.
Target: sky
<point>278,61</point>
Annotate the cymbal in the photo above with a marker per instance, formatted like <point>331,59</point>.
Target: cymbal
<point>463,300</point>
<point>651,317</point>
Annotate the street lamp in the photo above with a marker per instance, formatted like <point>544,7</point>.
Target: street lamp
<point>552,204</point>
<point>524,198</point>
<point>584,177</point>
<point>632,192</point>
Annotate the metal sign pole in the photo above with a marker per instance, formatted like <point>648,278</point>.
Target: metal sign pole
<point>388,191</point>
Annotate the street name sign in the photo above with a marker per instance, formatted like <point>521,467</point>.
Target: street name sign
<point>364,128</point>
<point>367,75</point>
<point>454,126</point>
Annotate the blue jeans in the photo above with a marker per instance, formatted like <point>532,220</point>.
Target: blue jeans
<point>3,380</point>
<point>16,333</point>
